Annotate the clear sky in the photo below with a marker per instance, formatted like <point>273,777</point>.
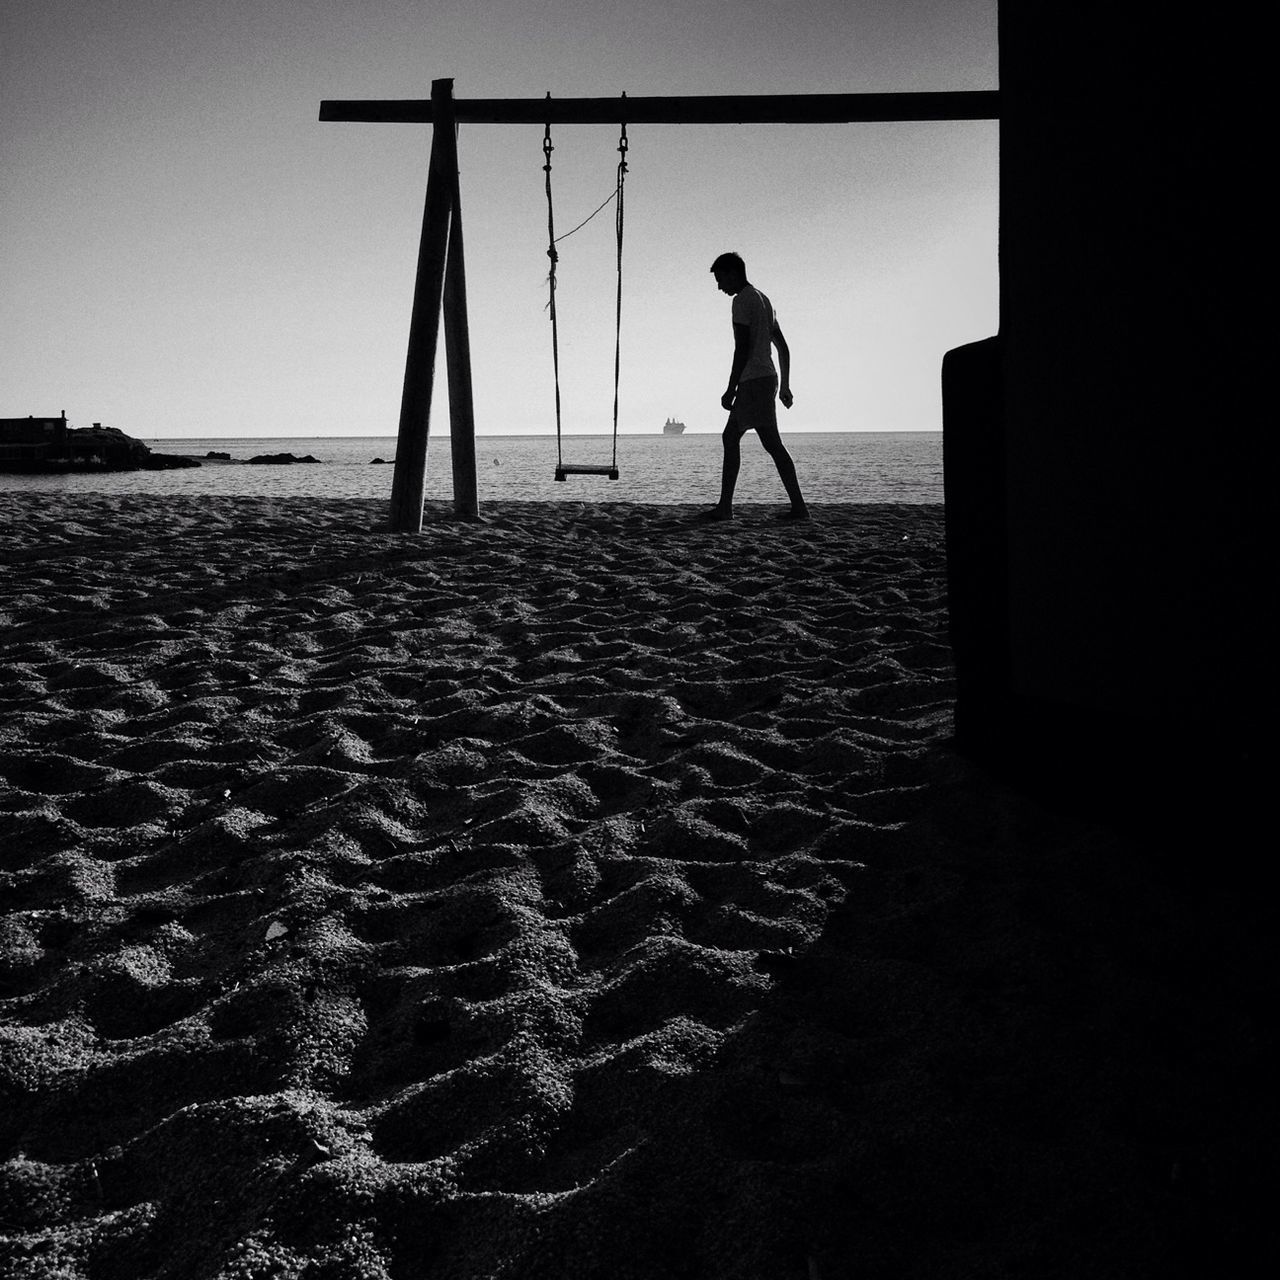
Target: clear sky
<point>186,251</point>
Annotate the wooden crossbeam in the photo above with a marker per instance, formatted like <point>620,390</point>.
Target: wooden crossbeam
<point>783,108</point>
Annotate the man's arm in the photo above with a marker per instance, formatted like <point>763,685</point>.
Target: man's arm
<point>784,366</point>
<point>741,350</point>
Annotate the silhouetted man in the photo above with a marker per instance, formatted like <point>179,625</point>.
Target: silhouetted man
<point>753,384</point>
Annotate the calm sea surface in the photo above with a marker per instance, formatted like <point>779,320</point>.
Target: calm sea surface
<point>833,467</point>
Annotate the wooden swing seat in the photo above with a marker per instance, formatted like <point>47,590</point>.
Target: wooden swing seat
<point>568,469</point>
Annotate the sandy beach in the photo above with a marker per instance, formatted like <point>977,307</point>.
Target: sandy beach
<point>581,892</point>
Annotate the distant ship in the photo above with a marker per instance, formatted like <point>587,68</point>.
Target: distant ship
<point>672,428</point>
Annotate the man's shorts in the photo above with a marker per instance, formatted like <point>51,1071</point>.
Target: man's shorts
<point>755,404</point>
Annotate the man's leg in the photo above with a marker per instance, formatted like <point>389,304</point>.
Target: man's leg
<point>772,442</point>
<point>731,438</point>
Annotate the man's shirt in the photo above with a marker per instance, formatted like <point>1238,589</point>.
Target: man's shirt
<point>753,309</point>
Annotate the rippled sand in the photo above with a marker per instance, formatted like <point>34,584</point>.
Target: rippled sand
<point>584,892</point>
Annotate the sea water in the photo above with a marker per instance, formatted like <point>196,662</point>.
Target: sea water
<point>883,466</point>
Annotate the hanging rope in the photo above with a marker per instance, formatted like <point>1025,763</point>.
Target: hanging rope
<point>617,331</point>
<point>547,149</point>
<point>553,254</point>
<point>589,216</point>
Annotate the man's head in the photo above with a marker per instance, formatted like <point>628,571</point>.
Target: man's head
<point>730,273</point>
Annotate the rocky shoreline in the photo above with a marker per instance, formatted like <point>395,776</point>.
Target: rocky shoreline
<point>93,449</point>
<point>261,459</point>
<point>97,449</point>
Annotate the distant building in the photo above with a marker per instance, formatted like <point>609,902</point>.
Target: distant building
<point>33,440</point>
<point>49,444</point>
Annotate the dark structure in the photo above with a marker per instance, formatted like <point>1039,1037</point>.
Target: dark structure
<point>1104,513</point>
<point>49,445</point>
<point>27,442</point>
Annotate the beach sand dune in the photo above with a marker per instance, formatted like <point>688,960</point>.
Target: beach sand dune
<point>582,892</point>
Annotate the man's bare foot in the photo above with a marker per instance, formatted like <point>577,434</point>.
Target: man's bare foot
<point>716,513</point>
<point>796,513</point>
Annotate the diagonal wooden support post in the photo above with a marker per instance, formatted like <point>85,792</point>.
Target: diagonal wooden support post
<point>441,209</point>
<point>457,350</point>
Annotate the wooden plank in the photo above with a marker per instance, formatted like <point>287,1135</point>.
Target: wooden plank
<point>794,108</point>
<point>409,481</point>
<point>576,469</point>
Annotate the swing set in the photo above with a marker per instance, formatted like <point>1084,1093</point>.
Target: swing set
<point>440,286</point>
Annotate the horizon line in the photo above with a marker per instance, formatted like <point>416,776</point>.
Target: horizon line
<point>443,437</point>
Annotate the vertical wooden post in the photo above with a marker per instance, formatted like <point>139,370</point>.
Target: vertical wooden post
<point>409,480</point>
<point>457,348</point>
